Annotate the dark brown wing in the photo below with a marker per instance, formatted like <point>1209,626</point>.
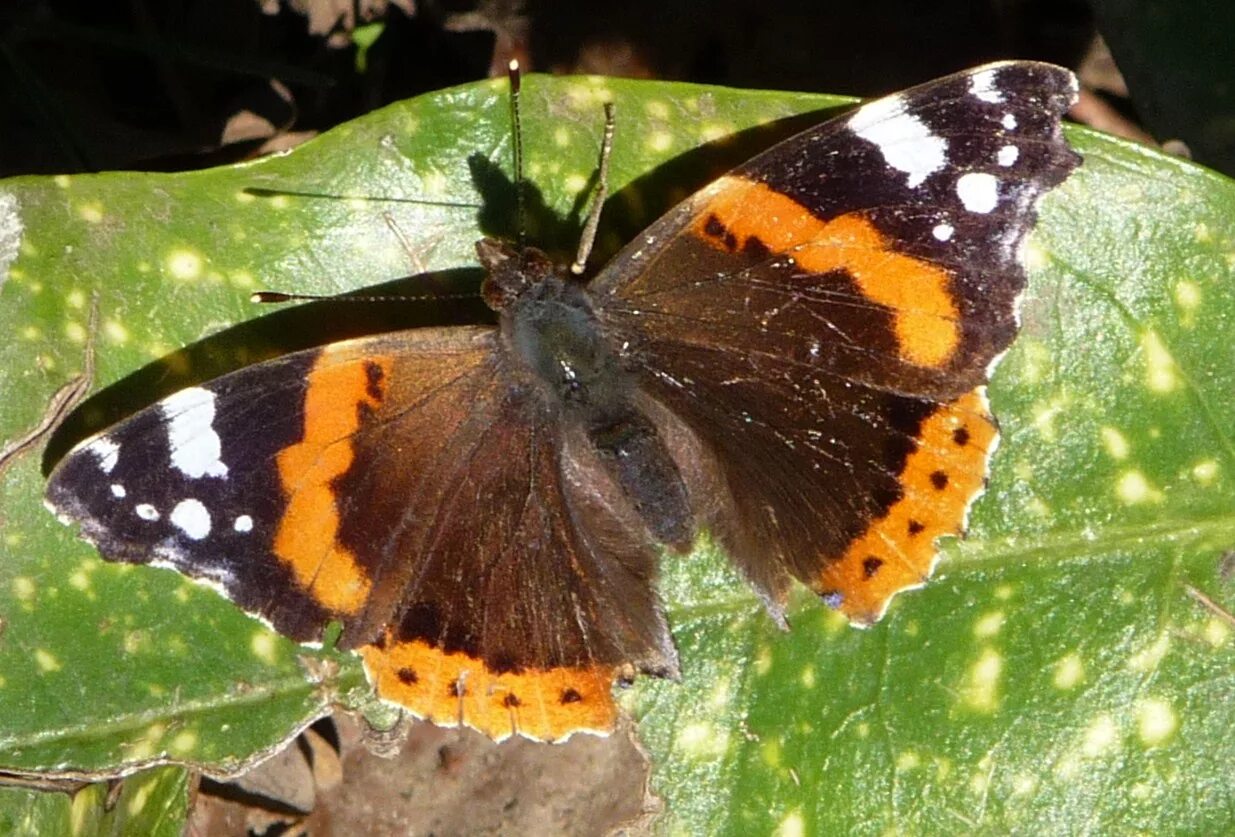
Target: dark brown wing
<point>411,488</point>
<point>824,318</point>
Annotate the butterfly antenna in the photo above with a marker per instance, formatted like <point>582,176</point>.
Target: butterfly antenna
<point>516,130</point>
<point>265,297</point>
<point>588,238</point>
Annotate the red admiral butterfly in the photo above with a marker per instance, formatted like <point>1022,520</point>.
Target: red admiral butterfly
<point>793,360</point>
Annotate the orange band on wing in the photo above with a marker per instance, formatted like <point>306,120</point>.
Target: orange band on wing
<point>916,292</point>
<point>940,480</point>
<point>452,689</point>
<point>307,540</point>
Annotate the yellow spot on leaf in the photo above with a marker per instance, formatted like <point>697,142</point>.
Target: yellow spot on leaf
<point>23,588</point>
<point>712,131</point>
<point>1216,632</point>
<point>1161,374</point>
<point>184,742</point>
<point>46,661</point>
<point>1187,295</point>
<point>575,183</point>
<point>1034,257</point>
<point>1044,417</point>
<point>656,109</point>
<point>1038,507</point>
<point>989,624</point>
<point>1149,657</point>
<point>808,677</point>
<point>791,826</point>
<point>1205,471</point>
<point>1036,361</point>
<point>146,746</point>
<point>116,332</point>
<point>907,760</point>
<point>262,644</point>
<point>1069,672</point>
<point>91,213</point>
<point>981,689</point>
<point>660,141</point>
<point>1155,722</point>
<point>1115,443</point>
<point>561,137</point>
<point>75,331</point>
<point>702,740</point>
<point>1133,488</point>
<point>1101,737</point>
<point>183,264</point>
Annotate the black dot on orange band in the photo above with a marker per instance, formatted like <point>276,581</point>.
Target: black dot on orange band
<point>755,248</point>
<point>961,436</point>
<point>570,696</point>
<point>940,480</point>
<point>511,701</point>
<point>871,565</point>
<point>373,380</point>
<point>407,676</point>
<point>915,528</point>
<point>456,689</point>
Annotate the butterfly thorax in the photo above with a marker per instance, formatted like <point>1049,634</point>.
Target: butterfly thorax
<point>550,330</point>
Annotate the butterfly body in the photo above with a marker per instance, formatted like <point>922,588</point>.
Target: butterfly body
<point>792,360</point>
<point>550,330</point>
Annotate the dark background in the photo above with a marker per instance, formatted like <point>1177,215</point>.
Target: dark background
<point>176,84</point>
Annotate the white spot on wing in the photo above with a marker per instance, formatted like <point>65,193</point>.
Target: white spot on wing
<point>1007,155</point>
<point>146,511</point>
<point>905,141</point>
<point>191,517</point>
<point>982,86</point>
<point>244,523</point>
<point>194,444</point>
<point>943,232</point>
<point>978,191</point>
<point>1008,121</point>
<point>107,452</point>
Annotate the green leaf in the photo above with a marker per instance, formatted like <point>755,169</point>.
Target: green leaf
<point>1056,675</point>
<point>153,802</point>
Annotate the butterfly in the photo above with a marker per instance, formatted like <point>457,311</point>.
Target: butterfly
<point>793,360</point>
